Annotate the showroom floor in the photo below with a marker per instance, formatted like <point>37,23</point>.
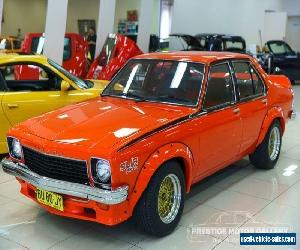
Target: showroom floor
<point>236,199</point>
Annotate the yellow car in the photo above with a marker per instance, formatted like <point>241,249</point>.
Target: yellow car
<point>33,85</point>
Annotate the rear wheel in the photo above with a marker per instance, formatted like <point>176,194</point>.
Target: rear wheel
<point>160,207</point>
<point>267,153</point>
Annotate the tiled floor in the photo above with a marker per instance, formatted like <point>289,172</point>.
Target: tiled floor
<point>235,199</point>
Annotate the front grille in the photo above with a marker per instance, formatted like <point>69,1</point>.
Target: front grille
<point>56,167</point>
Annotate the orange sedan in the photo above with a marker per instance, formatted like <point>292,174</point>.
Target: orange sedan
<point>165,122</point>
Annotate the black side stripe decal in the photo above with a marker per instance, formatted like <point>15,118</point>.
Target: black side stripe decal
<point>157,130</point>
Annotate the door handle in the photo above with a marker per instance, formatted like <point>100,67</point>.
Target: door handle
<point>12,106</point>
<point>264,101</point>
<point>236,110</point>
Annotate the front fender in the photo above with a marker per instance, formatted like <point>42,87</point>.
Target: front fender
<point>160,156</point>
<point>272,114</point>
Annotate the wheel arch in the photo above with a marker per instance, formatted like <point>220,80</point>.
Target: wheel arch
<point>170,152</point>
<point>275,113</point>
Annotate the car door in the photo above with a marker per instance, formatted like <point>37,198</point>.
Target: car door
<point>31,95</point>
<point>252,102</point>
<point>220,121</point>
<point>3,119</point>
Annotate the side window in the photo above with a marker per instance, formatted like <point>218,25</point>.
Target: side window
<point>257,82</point>
<point>17,44</point>
<point>28,77</point>
<point>219,87</point>
<point>244,79</point>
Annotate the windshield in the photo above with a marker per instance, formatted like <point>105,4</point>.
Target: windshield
<point>280,47</point>
<point>37,46</point>
<point>80,83</point>
<point>163,81</point>
<point>107,50</point>
<point>232,45</point>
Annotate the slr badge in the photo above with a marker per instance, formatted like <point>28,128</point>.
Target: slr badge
<point>129,166</point>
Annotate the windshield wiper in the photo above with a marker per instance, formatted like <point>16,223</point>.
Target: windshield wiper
<point>136,97</point>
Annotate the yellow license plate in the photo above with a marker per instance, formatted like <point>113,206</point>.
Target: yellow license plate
<point>50,199</point>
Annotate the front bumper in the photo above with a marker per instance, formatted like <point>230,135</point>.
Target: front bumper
<point>108,197</point>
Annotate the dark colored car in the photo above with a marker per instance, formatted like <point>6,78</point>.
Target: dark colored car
<point>280,58</point>
<point>212,42</point>
<point>221,42</point>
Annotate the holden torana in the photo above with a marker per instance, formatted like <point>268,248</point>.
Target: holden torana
<point>164,122</point>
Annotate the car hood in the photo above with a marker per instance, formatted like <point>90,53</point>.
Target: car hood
<point>102,122</point>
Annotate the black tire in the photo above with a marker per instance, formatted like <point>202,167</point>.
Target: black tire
<point>261,157</point>
<point>146,212</point>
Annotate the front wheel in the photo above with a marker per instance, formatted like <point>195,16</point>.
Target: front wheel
<point>267,153</point>
<point>160,207</point>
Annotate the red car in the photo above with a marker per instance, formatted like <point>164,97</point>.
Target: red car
<point>117,50</point>
<point>75,57</point>
<point>164,122</point>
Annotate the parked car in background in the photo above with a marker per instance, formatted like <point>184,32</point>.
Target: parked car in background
<point>50,88</point>
<point>75,55</point>
<point>116,51</point>
<point>208,42</point>
<point>164,122</point>
<point>221,42</point>
<point>10,44</point>
<point>279,58</point>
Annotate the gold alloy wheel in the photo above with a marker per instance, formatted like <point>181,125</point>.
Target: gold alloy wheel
<point>274,143</point>
<point>169,198</point>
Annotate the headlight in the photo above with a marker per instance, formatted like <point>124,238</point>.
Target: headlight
<point>101,171</point>
<point>15,148</point>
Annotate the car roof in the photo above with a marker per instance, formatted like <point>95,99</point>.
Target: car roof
<point>206,57</point>
<point>11,58</point>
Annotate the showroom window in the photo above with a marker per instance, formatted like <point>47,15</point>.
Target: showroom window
<point>219,90</point>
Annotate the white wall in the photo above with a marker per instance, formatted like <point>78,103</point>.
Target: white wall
<point>240,17</point>
<point>292,7</point>
<point>29,15</point>
<point>81,9</point>
<point>293,32</point>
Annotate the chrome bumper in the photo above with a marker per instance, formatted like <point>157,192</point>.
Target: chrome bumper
<point>109,197</point>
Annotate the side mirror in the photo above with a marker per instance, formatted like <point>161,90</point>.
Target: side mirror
<point>64,86</point>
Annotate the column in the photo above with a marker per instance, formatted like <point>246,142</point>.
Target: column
<point>106,21</point>
<point>55,29</point>
<point>1,15</point>
<point>145,18</point>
